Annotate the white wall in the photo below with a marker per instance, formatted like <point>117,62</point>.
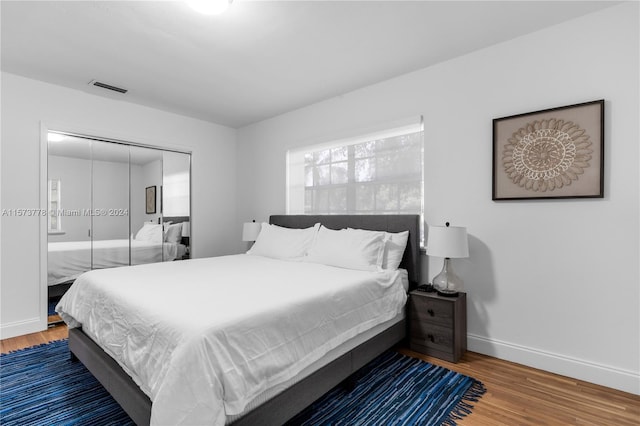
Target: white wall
<point>151,176</point>
<point>110,183</point>
<point>551,284</point>
<point>75,178</point>
<point>25,105</point>
<point>110,191</point>
<point>137,207</point>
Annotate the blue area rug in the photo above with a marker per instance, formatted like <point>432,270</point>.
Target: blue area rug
<point>42,386</point>
<point>395,389</point>
<point>51,307</point>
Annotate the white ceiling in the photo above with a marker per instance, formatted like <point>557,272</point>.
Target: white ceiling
<point>259,59</point>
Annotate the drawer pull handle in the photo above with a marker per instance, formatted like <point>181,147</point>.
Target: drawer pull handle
<point>430,312</point>
<point>430,337</point>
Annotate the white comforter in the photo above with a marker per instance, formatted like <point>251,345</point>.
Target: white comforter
<point>204,337</point>
<point>66,260</point>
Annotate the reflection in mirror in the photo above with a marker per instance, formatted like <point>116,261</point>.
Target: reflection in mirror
<point>147,244</point>
<point>69,202</point>
<point>110,205</point>
<point>176,202</point>
<point>54,220</point>
<point>106,205</point>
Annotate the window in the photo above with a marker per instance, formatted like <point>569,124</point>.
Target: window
<point>54,222</point>
<point>377,173</point>
<point>175,194</point>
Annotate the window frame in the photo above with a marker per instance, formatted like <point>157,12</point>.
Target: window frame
<point>297,190</point>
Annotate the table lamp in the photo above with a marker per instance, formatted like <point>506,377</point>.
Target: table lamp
<point>448,242</point>
<point>250,231</point>
<point>186,234</point>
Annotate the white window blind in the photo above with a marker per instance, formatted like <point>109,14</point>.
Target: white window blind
<point>376,173</point>
<point>54,220</point>
<point>175,193</point>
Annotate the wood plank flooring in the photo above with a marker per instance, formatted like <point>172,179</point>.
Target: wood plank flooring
<point>520,395</point>
<point>516,395</point>
<point>56,332</point>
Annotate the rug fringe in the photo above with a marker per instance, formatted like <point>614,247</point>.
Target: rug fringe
<point>464,406</point>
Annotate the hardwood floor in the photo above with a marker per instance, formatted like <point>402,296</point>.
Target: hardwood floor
<point>520,395</point>
<point>56,332</point>
<point>516,395</point>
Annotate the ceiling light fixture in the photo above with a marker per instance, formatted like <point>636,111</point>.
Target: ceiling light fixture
<point>209,7</point>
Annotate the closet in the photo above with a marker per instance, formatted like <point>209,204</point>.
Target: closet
<point>113,203</point>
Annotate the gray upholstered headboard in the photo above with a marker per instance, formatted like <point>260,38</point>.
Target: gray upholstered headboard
<point>176,219</point>
<point>389,223</point>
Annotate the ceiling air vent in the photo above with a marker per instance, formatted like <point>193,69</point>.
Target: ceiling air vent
<point>107,86</point>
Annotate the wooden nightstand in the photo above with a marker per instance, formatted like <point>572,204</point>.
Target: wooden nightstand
<point>438,325</point>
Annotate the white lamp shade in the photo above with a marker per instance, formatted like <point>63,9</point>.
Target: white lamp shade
<point>447,241</point>
<point>250,231</point>
<point>186,229</point>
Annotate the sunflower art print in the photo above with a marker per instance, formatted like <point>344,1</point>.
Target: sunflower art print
<point>553,153</point>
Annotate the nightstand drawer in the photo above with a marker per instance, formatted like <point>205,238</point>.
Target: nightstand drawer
<point>432,336</point>
<point>433,311</point>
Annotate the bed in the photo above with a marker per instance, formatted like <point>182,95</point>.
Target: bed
<point>291,389</point>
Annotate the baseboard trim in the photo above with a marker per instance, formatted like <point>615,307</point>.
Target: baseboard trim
<point>612,377</point>
<point>20,328</point>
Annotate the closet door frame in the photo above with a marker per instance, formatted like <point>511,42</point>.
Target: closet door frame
<point>73,130</point>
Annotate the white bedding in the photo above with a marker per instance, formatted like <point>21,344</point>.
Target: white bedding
<point>67,260</point>
<point>204,337</point>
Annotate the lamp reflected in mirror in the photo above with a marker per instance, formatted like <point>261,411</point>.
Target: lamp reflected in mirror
<point>250,231</point>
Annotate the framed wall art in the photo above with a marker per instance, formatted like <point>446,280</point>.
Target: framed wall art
<point>150,199</point>
<point>552,153</point>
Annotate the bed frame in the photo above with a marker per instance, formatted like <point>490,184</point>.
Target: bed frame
<point>285,405</point>
<point>58,290</point>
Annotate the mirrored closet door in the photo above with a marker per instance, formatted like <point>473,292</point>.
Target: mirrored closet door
<point>69,216</point>
<point>113,204</point>
<point>146,226</point>
<point>176,200</point>
<point>109,205</point>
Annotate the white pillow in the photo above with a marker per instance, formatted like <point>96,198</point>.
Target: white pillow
<point>173,233</point>
<point>283,243</point>
<point>394,245</point>
<point>143,230</point>
<point>348,248</point>
<point>150,232</point>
